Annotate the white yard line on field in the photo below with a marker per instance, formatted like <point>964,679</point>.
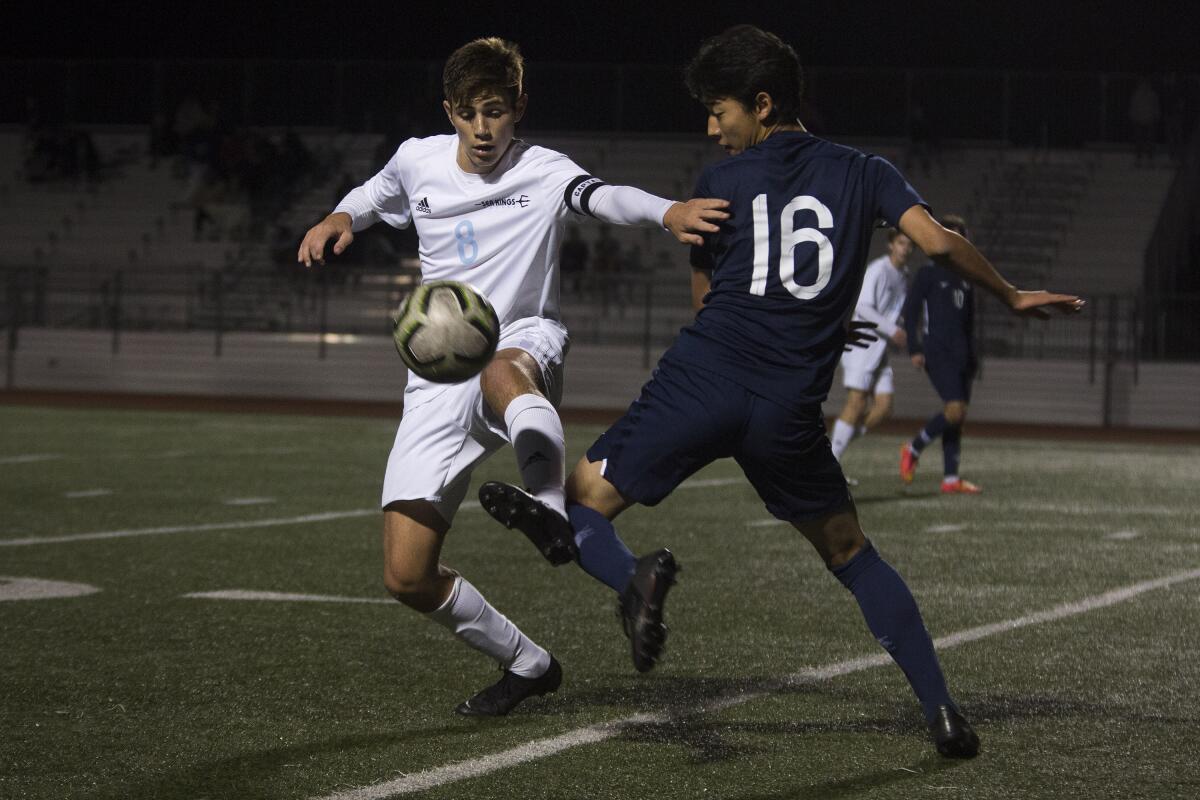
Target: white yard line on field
<point>324,516</point>
<point>285,597</point>
<point>592,734</point>
<point>30,458</point>
<point>82,493</point>
<point>964,503</point>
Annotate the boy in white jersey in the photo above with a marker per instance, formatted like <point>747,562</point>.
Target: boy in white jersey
<point>866,373</point>
<point>489,210</point>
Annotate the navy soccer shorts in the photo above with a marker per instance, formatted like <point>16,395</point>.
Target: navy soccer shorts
<point>951,378</point>
<point>686,418</point>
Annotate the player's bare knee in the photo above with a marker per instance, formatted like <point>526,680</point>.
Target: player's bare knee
<point>417,591</point>
<point>955,413</point>
<point>837,538</point>
<point>587,486</point>
<point>511,373</point>
<point>844,547</point>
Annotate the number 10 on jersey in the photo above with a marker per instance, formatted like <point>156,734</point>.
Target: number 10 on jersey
<point>789,238</point>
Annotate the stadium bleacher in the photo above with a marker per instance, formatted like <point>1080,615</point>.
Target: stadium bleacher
<point>1077,220</point>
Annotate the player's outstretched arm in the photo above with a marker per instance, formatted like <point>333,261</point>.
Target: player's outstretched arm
<point>949,249</point>
<point>335,226</point>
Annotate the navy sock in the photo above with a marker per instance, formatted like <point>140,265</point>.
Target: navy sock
<point>894,619</point>
<point>602,554</point>
<point>951,448</point>
<point>931,431</point>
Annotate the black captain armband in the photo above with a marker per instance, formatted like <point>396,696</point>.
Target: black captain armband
<point>579,192</point>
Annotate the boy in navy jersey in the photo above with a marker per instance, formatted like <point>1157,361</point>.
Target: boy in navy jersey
<point>945,348</point>
<point>748,377</point>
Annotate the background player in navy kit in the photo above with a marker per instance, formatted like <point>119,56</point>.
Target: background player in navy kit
<point>944,346</point>
<point>747,378</point>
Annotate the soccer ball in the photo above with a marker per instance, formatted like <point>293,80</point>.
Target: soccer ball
<point>446,331</point>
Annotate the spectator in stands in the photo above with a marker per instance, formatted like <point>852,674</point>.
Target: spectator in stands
<point>1176,123</point>
<point>605,266</point>
<point>162,142</point>
<point>1144,114</point>
<point>923,144</point>
<point>573,260</point>
<point>194,127</point>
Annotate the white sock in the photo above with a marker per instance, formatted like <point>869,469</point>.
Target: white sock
<point>949,478</point>
<point>536,434</point>
<point>473,620</point>
<point>843,434</point>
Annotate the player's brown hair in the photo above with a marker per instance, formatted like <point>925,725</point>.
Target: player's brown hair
<point>893,233</point>
<point>955,223</point>
<point>481,67</point>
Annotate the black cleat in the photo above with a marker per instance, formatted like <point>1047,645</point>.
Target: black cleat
<point>953,735</point>
<point>549,531</point>
<point>641,607</point>
<point>504,695</point>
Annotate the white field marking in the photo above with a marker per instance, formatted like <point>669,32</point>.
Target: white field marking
<point>765,523</point>
<point>30,458</point>
<point>707,483</point>
<point>248,501</point>
<point>12,588</point>
<point>1055,508</point>
<point>1122,536</point>
<point>224,454</point>
<point>324,516</point>
<point>944,528</point>
<point>592,734</point>
<point>81,493</point>
<point>285,597</point>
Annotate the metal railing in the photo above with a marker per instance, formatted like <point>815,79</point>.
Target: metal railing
<point>645,310</point>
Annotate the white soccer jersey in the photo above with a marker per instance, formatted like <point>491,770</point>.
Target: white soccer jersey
<point>499,232</point>
<point>880,300</point>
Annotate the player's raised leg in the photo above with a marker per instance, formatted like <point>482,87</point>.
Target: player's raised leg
<point>894,619</point>
<point>516,391</point>
<point>413,533</point>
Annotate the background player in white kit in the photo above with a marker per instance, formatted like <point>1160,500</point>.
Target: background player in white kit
<point>489,210</point>
<point>866,374</point>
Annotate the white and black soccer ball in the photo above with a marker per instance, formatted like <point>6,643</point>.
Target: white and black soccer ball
<point>446,331</point>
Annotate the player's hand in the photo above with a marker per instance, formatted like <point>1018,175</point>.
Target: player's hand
<point>1038,304</point>
<point>918,360</point>
<point>700,215</point>
<point>900,338</point>
<point>859,333</point>
<point>335,226</point>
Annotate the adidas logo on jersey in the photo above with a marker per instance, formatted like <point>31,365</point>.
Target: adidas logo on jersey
<point>423,206</point>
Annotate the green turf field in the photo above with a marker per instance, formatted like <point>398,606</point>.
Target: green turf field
<point>142,691</point>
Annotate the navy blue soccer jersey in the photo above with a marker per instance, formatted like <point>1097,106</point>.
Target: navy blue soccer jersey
<point>788,264</point>
<point>946,303</point>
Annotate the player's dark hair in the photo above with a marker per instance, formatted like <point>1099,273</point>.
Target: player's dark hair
<point>481,67</point>
<point>740,63</point>
<point>955,223</point>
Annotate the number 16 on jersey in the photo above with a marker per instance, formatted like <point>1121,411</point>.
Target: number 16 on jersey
<point>789,238</point>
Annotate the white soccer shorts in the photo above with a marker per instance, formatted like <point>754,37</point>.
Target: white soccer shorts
<point>868,371</point>
<point>447,429</point>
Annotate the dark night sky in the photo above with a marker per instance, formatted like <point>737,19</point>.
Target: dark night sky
<point>1018,34</point>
